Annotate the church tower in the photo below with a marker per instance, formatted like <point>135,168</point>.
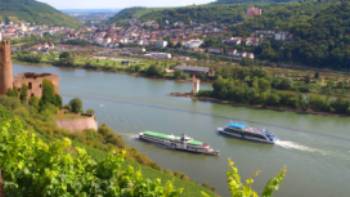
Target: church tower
<point>6,75</point>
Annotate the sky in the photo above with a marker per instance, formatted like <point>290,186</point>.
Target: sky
<point>112,4</point>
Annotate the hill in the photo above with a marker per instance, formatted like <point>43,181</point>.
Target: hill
<point>251,1</point>
<point>320,33</point>
<point>34,12</point>
<point>222,14</point>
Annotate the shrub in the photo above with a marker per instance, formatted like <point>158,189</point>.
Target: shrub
<point>90,112</point>
<point>76,105</point>
<point>23,95</point>
<point>155,71</point>
<point>49,96</point>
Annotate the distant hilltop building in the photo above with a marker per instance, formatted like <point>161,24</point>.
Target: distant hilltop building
<point>33,81</point>
<point>254,11</point>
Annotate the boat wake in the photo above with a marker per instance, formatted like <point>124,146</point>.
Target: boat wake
<point>129,135</point>
<point>296,146</point>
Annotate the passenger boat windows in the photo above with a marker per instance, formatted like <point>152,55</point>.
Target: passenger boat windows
<point>255,136</point>
<point>233,131</point>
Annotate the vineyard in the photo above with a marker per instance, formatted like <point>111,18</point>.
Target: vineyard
<point>37,160</point>
<point>32,167</point>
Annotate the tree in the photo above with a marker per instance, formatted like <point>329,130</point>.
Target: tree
<point>23,96</point>
<point>155,71</point>
<point>76,105</point>
<point>282,83</point>
<point>319,103</point>
<point>180,75</point>
<point>90,112</point>
<point>12,93</point>
<point>261,84</point>
<point>340,106</point>
<point>34,101</point>
<point>49,96</point>
<point>66,58</point>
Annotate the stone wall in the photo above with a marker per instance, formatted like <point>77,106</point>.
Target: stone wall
<point>78,124</point>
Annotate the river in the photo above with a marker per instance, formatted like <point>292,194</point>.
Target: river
<point>316,149</point>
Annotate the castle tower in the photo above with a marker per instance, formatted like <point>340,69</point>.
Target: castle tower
<point>196,85</point>
<point>6,75</point>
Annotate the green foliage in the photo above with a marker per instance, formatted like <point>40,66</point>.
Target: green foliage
<point>90,112</point>
<point>49,96</point>
<point>229,14</point>
<point>34,12</point>
<point>155,71</point>
<point>319,33</point>
<point>244,189</point>
<point>28,56</point>
<point>76,105</point>
<point>251,1</point>
<point>78,42</point>
<point>66,59</point>
<point>12,93</point>
<point>274,183</point>
<point>109,137</point>
<point>34,101</point>
<point>180,75</point>
<point>23,95</point>
<point>98,144</point>
<point>32,167</point>
<point>254,87</point>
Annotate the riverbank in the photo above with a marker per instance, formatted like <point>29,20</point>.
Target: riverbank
<point>148,67</point>
<point>260,107</point>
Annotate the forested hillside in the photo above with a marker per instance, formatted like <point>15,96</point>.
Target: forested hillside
<point>251,1</point>
<point>34,12</point>
<point>320,34</point>
<point>221,14</point>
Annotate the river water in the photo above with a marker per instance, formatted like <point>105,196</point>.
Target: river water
<point>316,149</point>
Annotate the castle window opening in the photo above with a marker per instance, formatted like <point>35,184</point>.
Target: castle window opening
<point>30,85</point>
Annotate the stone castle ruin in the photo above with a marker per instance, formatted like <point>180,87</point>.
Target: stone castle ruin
<point>32,80</point>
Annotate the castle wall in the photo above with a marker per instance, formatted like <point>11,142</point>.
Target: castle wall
<point>78,124</point>
<point>34,82</point>
<point>6,75</point>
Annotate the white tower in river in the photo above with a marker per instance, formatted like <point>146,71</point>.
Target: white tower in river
<point>196,85</point>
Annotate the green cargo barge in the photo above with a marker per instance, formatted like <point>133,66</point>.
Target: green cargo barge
<point>183,143</point>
